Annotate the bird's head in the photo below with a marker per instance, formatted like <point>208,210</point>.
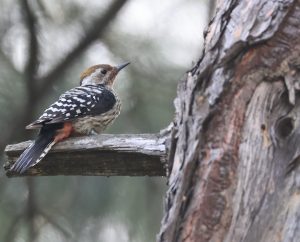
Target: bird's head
<point>101,74</point>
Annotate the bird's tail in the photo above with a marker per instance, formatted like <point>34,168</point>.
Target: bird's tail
<point>35,152</point>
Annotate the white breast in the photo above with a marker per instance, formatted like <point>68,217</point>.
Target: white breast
<point>98,123</point>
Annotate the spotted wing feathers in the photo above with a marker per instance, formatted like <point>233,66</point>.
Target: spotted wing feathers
<point>89,100</point>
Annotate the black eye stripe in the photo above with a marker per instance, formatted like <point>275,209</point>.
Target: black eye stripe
<point>103,71</point>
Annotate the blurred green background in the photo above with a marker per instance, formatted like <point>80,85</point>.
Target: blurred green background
<point>45,45</point>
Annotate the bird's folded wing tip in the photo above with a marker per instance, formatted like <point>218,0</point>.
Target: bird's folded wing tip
<point>34,126</point>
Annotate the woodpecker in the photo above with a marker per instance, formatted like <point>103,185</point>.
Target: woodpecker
<point>84,110</point>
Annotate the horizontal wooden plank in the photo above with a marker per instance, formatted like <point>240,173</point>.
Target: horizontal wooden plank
<point>99,155</point>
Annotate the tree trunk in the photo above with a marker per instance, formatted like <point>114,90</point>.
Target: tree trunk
<point>235,140</point>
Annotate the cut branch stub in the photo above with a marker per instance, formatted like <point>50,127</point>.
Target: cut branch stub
<point>101,155</point>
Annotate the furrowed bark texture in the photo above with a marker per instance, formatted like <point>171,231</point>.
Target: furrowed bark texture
<point>236,135</point>
<point>99,155</point>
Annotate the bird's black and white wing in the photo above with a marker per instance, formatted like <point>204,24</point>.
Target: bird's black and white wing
<point>89,100</point>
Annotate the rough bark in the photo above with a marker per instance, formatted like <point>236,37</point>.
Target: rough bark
<point>100,155</point>
<point>235,139</point>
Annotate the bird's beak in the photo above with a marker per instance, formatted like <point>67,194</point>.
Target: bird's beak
<point>120,67</point>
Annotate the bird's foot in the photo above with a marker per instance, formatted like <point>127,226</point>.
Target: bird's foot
<point>93,132</point>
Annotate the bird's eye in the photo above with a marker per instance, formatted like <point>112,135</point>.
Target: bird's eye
<point>103,71</point>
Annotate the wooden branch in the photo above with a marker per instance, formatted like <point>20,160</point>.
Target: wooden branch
<point>100,155</point>
<point>33,47</point>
